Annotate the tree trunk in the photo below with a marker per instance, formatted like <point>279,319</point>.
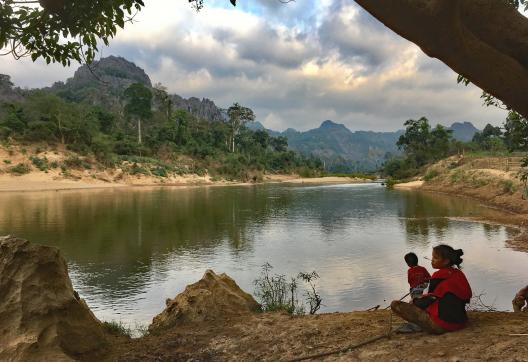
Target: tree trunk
<point>486,41</point>
<point>139,131</point>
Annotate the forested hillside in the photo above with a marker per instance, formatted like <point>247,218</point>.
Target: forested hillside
<point>111,112</point>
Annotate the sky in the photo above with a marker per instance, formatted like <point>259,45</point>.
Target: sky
<point>294,64</point>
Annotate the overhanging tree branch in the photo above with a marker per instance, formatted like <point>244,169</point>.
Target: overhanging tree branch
<point>484,40</point>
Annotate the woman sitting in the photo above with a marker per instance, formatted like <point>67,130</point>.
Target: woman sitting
<point>443,309</point>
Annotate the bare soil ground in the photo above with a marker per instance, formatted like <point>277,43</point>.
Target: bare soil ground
<point>278,337</point>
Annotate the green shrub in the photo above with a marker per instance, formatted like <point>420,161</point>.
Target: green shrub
<point>76,162</point>
<point>20,169</point>
<point>431,174</point>
<point>40,163</point>
<point>159,171</point>
<point>117,328</point>
<point>7,162</point>
<point>54,164</point>
<point>389,183</point>
<point>277,294</point>
<point>507,187</point>
<point>138,170</point>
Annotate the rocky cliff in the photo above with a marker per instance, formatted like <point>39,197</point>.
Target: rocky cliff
<point>104,82</point>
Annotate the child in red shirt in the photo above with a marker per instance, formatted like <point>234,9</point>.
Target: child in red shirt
<point>417,276</point>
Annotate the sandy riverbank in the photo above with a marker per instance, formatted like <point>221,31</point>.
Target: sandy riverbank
<point>54,181</point>
<point>409,185</point>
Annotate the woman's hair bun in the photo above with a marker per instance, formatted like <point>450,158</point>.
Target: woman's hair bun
<point>459,252</point>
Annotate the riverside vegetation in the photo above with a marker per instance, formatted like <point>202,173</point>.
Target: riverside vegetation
<point>116,119</point>
<point>423,146</point>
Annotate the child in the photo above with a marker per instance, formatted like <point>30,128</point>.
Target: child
<point>417,276</point>
<point>443,309</point>
<point>521,298</point>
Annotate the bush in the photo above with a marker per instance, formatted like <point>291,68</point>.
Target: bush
<point>159,171</point>
<point>7,162</point>
<point>507,187</point>
<point>54,164</point>
<point>389,183</point>
<point>138,170</point>
<point>431,174</point>
<point>277,294</point>
<point>76,162</point>
<point>20,169</point>
<point>40,163</point>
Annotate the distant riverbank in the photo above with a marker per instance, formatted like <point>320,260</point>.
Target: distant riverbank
<point>54,181</point>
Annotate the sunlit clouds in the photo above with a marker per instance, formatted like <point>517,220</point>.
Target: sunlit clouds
<point>295,64</point>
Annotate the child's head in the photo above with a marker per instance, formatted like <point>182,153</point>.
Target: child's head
<point>445,256</point>
<point>411,259</point>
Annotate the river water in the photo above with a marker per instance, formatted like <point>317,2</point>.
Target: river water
<point>130,249</point>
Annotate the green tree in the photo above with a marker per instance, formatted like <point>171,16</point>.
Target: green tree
<point>238,117</point>
<point>415,141</point>
<point>439,142</point>
<point>516,132</point>
<point>139,105</point>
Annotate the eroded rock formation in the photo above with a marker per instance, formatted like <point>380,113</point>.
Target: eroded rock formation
<point>211,298</point>
<point>41,317</point>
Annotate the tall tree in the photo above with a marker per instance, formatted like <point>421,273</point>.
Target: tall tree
<point>139,104</point>
<point>238,117</point>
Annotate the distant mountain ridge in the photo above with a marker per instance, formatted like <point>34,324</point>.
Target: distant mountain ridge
<point>345,151</point>
<point>341,149</point>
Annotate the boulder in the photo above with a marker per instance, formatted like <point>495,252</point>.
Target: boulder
<point>213,297</point>
<point>41,317</point>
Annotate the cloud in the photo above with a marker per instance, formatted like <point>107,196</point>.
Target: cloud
<point>295,64</point>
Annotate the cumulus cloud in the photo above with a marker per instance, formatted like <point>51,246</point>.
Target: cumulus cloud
<point>295,64</point>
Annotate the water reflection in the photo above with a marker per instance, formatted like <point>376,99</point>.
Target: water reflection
<point>128,250</point>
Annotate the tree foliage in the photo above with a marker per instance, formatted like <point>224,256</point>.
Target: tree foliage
<point>110,137</point>
<point>62,30</point>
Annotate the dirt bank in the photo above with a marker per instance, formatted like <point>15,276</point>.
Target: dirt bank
<point>44,319</point>
<point>493,181</point>
<point>278,337</point>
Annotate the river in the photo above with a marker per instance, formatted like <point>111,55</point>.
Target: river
<point>128,250</point>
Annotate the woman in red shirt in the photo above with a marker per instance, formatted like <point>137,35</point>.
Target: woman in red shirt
<point>443,308</point>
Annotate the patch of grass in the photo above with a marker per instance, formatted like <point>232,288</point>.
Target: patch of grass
<point>431,174</point>
<point>7,162</point>
<point>457,176</point>
<point>117,328</point>
<point>40,163</point>
<point>54,164</point>
<point>20,169</point>
<point>507,187</point>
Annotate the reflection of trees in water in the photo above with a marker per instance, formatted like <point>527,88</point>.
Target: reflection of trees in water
<point>425,214</point>
<point>114,236</point>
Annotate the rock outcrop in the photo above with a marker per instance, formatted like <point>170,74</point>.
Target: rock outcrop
<point>41,317</point>
<point>214,297</point>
